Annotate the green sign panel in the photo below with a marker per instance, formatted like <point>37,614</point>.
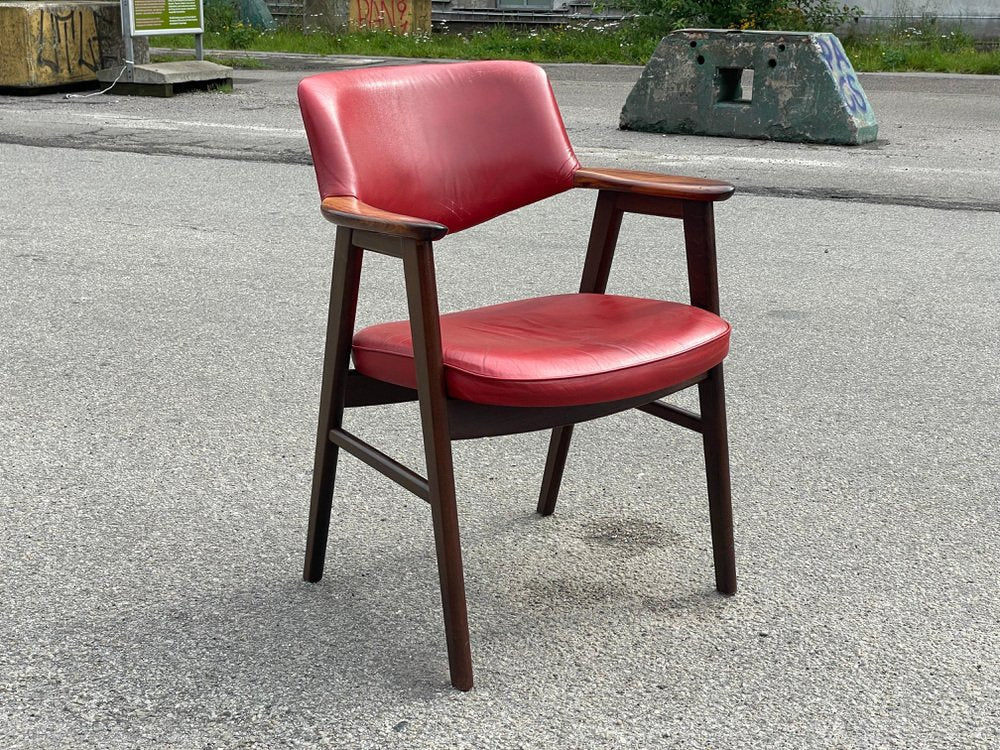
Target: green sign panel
<point>166,17</point>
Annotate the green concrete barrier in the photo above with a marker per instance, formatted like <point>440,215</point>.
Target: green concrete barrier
<point>46,44</point>
<point>803,88</point>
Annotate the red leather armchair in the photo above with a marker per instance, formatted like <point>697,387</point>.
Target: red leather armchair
<point>490,139</point>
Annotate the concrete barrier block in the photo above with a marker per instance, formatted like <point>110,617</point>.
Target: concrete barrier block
<point>772,85</point>
<point>46,44</point>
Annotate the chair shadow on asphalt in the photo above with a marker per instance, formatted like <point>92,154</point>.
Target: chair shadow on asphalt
<point>374,622</point>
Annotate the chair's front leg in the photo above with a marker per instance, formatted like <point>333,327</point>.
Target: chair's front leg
<point>421,293</point>
<point>699,245</point>
<point>699,240</point>
<point>712,400</point>
<point>340,329</point>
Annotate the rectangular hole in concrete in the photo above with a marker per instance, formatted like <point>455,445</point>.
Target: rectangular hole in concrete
<point>731,86</point>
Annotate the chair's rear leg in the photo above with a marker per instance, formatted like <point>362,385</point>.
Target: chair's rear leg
<point>711,394</point>
<point>555,463</point>
<point>596,269</point>
<point>340,328</point>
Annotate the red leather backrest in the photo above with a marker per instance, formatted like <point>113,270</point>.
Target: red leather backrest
<point>454,143</point>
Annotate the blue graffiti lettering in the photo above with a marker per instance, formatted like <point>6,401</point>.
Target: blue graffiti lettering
<point>859,96</point>
<point>826,50</point>
<point>841,58</point>
<point>851,93</point>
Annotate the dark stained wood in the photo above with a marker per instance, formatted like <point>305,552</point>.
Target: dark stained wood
<point>555,465</point>
<point>386,244</point>
<point>397,472</point>
<point>340,329</point>
<point>365,391</point>
<point>671,208</point>
<point>469,421</point>
<point>699,244</point>
<point>604,231</point>
<point>712,400</point>
<point>348,211</point>
<point>649,183</point>
<point>422,301</point>
<point>673,414</point>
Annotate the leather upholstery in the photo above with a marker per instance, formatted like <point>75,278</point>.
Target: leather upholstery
<point>452,143</point>
<point>562,350</point>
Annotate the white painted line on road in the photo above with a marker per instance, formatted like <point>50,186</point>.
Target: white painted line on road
<point>142,123</point>
<point>782,160</point>
<point>856,163</point>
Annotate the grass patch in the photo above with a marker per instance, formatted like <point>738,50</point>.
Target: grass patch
<point>923,48</point>
<point>609,42</point>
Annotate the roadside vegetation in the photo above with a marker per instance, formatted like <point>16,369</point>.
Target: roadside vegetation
<point>926,47</point>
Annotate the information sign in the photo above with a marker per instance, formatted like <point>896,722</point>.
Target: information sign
<point>149,17</point>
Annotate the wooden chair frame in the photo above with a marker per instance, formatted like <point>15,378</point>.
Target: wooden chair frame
<point>364,228</point>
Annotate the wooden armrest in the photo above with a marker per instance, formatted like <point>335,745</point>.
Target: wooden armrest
<point>650,183</point>
<point>348,211</point>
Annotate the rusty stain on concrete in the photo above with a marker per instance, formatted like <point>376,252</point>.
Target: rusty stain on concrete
<point>803,89</point>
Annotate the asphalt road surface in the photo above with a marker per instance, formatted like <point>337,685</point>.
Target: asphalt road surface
<point>164,278</point>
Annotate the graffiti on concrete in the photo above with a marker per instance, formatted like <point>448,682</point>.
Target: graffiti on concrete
<point>396,15</point>
<point>847,80</point>
<point>68,42</point>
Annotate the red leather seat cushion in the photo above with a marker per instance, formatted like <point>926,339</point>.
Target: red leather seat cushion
<point>563,350</point>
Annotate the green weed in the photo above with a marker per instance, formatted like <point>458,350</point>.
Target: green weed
<point>927,46</point>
